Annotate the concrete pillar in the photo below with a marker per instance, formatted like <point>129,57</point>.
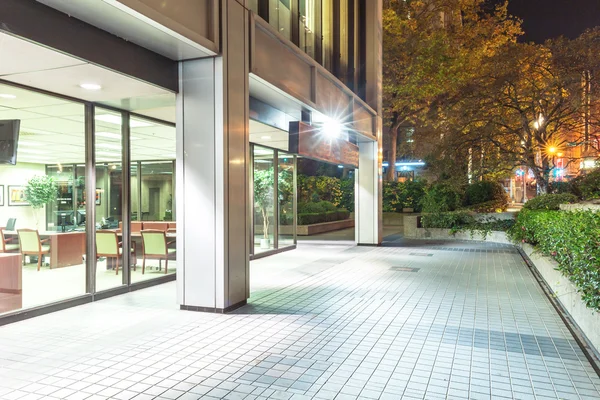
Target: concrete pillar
<point>212,171</point>
<point>369,217</point>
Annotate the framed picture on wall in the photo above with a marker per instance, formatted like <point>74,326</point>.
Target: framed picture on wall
<point>98,196</point>
<point>16,196</point>
<point>1,195</point>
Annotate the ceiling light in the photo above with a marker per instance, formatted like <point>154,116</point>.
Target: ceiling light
<point>27,143</point>
<point>116,119</point>
<point>38,131</point>
<point>7,96</point>
<point>108,153</point>
<point>109,135</point>
<point>109,146</point>
<point>265,137</point>
<point>113,135</point>
<point>90,86</point>
<point>30,151</point>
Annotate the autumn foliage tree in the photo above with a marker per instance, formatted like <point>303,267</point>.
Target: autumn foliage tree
<point>528,105</point>
<point>432,50</point>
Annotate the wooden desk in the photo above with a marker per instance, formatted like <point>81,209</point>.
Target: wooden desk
<point>66,248</point>
<point>11,282</point>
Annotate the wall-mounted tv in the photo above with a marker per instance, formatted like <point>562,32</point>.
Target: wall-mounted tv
<point>9,138</point>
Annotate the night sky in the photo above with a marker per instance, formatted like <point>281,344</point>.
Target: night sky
<point>544,19</point>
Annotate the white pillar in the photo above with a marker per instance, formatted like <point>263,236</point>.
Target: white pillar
<point>368,208</point>
<point>368,215</point>
<point>212,172</point>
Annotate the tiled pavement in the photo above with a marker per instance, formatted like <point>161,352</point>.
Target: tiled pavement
<point>429,320</point>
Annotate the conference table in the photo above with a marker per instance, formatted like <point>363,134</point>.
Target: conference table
<point>66,248</point>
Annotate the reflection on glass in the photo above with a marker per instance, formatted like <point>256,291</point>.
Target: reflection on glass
<point>280,17</point>
<point>285,187</point>
<point>43,242</point>
<point>109,192</point>
<point>264,190</point>
<point>153,227</point>
<point>307,27</point>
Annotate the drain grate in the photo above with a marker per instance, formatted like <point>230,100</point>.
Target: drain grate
<point>422,254</point>
<point>405,269</point>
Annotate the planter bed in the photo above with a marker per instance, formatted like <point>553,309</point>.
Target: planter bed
<point>566,294</point>
<point>308,230</point>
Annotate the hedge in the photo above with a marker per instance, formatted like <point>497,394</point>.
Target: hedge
<point>328,216</point>
<point>570,238</point>
<point>550,201</point>
<point>460,221</point>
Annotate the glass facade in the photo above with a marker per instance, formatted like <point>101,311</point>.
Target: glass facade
<point>326,30</point>
<point>49,195</point>
<point>274,199</point>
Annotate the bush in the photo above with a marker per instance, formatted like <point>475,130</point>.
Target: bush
<point>441,197</point>
<point>570,238</point>
<point>588,186</point>
<point>320,217</point>
<point>400,195</point>
<point>485,192</point>
<point>561,188</point>
<point>494,206</point>
<point>458,221</point>
<point>319,188</point>
<point>347,188</point>
<point>550,201</point>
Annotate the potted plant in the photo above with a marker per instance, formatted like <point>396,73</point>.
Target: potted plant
<point>40,190</point>
<point>264,183</point>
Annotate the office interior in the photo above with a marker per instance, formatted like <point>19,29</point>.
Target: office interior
<point>52,143</point>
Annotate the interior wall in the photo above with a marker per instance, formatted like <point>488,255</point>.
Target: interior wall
<point>165,186</point>
<point>18,175</point>
<point>101,210</point>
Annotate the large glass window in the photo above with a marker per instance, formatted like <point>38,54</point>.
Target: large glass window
<point>264,199</point>
<point>280,17</point>
<point>307,27</point>
<point>286,194</point>
<point>153,227</point>
<point>109,200</point>
<point>42,256</point>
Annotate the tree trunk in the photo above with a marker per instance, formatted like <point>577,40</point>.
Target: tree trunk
<point>391,171</point>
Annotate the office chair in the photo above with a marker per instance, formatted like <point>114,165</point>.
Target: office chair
<point>10,224</point>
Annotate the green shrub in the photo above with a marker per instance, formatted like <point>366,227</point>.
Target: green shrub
<point>588,186</point>
<point>485,192</point>
<point>494,206</point>
<point>460,221</point>
<point>441,197</point>
<point>400,195</point>
<point>550,201</point>
<point>447,220</point>
<point>570,238</point>
<point>561,188</point>
<point>347,188</point>
<point>310,208</point>
<point>319,188</point>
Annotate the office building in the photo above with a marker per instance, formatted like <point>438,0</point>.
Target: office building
<point>158,140</point>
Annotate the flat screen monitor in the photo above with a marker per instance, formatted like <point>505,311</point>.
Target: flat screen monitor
<point>64,218</point>
<point>80,217</point>
<point>9,138</point>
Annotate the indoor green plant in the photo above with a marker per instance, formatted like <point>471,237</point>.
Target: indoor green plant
<point>264,183</point>
<point>40,190</point>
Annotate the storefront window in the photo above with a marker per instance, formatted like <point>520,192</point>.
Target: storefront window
<point>264,201</point>
<point>153,227</point>
<point>109,199</point>
<point>287,190</point>
<point>43,246</point>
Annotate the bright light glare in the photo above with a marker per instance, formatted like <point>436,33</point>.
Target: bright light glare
<point>332,128</point>
<point>552,150</point>
<point>7,96</point>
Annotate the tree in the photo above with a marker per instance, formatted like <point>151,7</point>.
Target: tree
<point>40,190</point>
<point>528,105</point>
<point>431,50</point>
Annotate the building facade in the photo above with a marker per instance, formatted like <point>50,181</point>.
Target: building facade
<point>166,128</point>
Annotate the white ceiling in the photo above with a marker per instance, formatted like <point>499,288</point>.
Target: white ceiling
<point>33,65</point>
<point>123,22</point>
<point>52,131</point>
<point>268,136</point>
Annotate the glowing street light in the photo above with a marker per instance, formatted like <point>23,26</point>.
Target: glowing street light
<point>332,128</point>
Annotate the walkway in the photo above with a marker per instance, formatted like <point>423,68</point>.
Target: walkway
<point>431,320</point>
